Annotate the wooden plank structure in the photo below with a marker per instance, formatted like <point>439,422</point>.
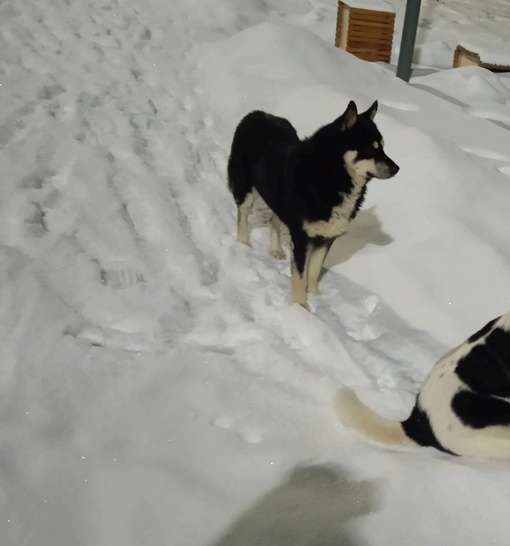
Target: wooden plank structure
<point>366,33</point>
<point>465,57</point>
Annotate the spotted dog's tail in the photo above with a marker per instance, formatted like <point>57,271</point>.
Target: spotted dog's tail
<point>351,411</point>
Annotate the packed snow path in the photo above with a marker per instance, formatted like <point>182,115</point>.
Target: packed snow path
<point>114,162</point>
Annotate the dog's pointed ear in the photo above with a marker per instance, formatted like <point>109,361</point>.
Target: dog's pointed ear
<point>372,111</point>
<point>348,118</point>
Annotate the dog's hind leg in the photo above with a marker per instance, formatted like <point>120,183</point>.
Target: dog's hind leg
<point>243,225</point>
<point>299,270</point>
<point>275,244</point>
<point>317,257</point>
<point>240,185</point>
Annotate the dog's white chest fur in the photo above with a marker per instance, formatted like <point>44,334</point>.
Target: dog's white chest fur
<point>341,214</point>
<point>337,223</point>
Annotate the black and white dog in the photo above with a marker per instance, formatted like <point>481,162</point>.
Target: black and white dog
<point>463,406</point>
<point>314,186</point>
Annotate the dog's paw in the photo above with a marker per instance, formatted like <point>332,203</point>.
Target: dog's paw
<point>244,241</point>
<point>304,305</point>
<point>277,253</point>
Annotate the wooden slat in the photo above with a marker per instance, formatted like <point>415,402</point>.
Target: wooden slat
<point>362,48</point>
<point>360,31</point>
<point>365,24</point>
<point>389,24</point>
<point>371,55</point>
<point>357,33</point>
<point>375,35</point>
<point>369,51</point>
<point>363,21</point>
<point>373,58</point>
<point>376,26</point>
<point>370,30</point>
<point>371,39</point>
<point>362,17</point>
<point>370,42</point>
<point>371,23</point>
<point>371,12</point>
<point>366,16</point>
<point>382,20</point>
<point>370,45</point>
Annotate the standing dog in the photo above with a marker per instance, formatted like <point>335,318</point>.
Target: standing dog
<point>463,407</point>
<point>314,186</point>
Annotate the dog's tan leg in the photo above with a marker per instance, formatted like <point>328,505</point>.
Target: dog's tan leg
<point>243,226</point>
<point>275,244</point>
<point>317,256</point>
<point>299,281</point>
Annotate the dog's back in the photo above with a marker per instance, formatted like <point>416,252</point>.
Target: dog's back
<point>258,156</point>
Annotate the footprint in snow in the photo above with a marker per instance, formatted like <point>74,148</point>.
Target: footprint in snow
<point>48,92</point>
<point>118,277</point>
<point>113,339</point>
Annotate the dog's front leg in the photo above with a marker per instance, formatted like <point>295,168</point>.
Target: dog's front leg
<point>299,271</point>
<point>317,257</point>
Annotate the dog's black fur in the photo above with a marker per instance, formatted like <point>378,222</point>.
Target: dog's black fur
<point>314,186</point>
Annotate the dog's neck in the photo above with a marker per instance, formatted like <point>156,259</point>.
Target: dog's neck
<point>357,170</point>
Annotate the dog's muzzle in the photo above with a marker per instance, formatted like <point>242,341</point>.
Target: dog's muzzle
<point>386,169</point>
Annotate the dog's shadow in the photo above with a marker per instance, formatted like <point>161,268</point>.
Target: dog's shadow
<point>312,507</point>
<point>365,229</point>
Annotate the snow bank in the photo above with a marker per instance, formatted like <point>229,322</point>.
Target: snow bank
<point>155,385</point>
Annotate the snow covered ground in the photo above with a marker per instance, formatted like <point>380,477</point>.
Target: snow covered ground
<point>155,385</point>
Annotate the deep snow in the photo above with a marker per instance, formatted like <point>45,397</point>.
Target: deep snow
<point>156,388</point>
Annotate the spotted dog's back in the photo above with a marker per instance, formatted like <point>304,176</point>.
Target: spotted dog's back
<point>463,406</point>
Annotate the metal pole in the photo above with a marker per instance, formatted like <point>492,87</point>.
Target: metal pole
<point>405,57</point>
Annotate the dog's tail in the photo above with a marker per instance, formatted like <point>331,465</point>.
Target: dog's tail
<point>353,413</point>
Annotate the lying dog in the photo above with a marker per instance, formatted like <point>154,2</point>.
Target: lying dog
<point>463,407</point>
<point>314,186</point>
